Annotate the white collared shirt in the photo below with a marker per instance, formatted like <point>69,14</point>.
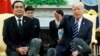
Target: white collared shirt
<point>60,31</point>
<point>18,21</point>
<point>79,23</point>
<point>57,23</point>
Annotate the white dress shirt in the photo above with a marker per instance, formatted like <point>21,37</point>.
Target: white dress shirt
<point>60,31</point>
<point>18,19</point>
<point>79,23</point>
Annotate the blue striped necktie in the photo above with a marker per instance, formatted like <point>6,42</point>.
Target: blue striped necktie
<point>75,29</point>
<point>75,34</point>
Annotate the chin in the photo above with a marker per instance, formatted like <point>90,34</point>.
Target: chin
<point>77,17</point>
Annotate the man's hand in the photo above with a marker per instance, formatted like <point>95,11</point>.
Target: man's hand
<point>75,53</point>
<point>25,50</point>
<point>22,50</point>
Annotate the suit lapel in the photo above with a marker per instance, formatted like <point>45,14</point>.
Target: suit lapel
<point>82,26</point>
<point>72,22</point>
<point>15,24</point>
<point>24,22</point>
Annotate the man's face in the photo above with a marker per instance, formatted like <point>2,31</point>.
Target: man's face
<point>18,9</point>
<point>56,15</point>
<point>29,13</point>
<point>78,11</point>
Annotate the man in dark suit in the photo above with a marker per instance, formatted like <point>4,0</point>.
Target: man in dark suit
<point>53,25</point>
<point>18,32</point>
<point>29,12</point>
<point>84,31</point>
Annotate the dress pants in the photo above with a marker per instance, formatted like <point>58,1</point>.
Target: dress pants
<point>34,49</point>
<point>62,51</point>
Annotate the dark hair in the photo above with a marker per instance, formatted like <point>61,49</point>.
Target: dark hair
<point>60,12</point>
<point>17,2</point>
<point>29,8</point>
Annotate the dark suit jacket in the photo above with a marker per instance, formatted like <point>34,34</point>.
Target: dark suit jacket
<point>53,33</point>
<point>36,27</point>
<point>85,31</point>
<point>12,36</point>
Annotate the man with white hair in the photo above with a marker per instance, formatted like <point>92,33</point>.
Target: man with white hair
<point>75,26</point>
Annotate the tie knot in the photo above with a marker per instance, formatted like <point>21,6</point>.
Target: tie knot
<point>19,19</point>
<point>76,20</point>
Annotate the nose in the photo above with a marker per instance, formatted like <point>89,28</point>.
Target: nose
<point>30,14</point>
<point>76,10</point>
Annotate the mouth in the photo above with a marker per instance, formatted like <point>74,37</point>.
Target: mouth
<point>19,11</point>
<point>77,14</point>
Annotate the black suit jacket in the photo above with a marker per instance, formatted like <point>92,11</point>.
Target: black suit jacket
<point>53,33</point>
<point>85,31</point>
<point>36,27</point>
<point>12,36</point>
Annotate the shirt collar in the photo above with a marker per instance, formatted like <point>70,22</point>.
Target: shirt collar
<point>57,21</point>
<point>80,19</point>
<point>18,18</point>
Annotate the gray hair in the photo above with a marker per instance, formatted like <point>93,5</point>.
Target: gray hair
<point>78,4</point>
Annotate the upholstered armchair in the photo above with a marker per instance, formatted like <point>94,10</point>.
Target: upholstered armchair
<point>93,40</point>
<point>2,44</point>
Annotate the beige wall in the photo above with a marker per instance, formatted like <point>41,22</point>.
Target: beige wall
<point>46,14</point>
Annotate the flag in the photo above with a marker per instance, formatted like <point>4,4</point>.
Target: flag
<point>5,6</point>
<point>92,7</point>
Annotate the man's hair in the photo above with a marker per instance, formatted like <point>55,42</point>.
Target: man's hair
<point>28,8</point>
<point>60,12</point>
<point>17,2</point>
<point>78,3</point>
